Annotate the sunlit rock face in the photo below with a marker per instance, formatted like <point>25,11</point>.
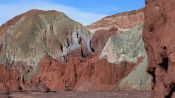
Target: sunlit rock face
<point>159,43</point>
<point>118,38</point>
<point>39,32</point>
<point>112,25</point>
<point>28,37</point>
<point>47,51</point>
<point>128,46</point>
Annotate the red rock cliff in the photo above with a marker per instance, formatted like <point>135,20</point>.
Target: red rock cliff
<point>159,35</point>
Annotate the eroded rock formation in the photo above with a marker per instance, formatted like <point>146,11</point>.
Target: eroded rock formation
<point>128,46</point>
<point>47,51</point>
<point>29,37</point>
<point>113,25</point>
<point>159,42</point>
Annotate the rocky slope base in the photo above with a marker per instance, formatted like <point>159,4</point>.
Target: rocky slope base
<point>47,51</point>
<point>159,42</point>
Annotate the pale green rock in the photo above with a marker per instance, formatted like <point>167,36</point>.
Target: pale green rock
<point>129,46</point>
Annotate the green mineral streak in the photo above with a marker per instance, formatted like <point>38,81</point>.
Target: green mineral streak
<point>129,46</point>
<point>126,46</point>
<point>129,42</point>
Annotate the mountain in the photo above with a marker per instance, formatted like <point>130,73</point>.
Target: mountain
<point>28,37</point>
<point>48,51</point>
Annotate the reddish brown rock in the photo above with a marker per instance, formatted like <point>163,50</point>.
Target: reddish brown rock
<point>40,52</point>
<point>97,43</point>
<point>9,79</point>
<point>122,20</point>
<point>51,73</point>
<point>112,25</point>
<point>159,42</point>
<point>81,73</point>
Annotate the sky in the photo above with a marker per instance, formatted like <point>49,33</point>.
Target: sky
<point>83,11</point>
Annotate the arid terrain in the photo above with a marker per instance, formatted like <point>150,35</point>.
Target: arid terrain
<point>48,51</point>
<point>126,55</point>
<point>75,94</point>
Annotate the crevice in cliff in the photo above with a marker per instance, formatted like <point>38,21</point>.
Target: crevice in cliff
<point>151,28</point>
<point>61,47</point>
<point>165,59</point>
<point>172,90</point>
<point>164,63</point>
<point>92,49</point>
<point>80,40</point>
<point>82,53</point>
<point>67,41</point>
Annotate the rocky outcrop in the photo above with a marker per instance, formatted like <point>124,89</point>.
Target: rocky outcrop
<point>37,33</point>
<point>113,25</point>
<point>128,46</point>
<point>97,44</point>
<point>81,74</point>
<point>47,51</point>
<point>27,38</point>
<point>159,43</point>
<point>122,41</point>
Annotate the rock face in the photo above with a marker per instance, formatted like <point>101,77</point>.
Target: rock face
<point>122,41</point>
<point>81,74</point>
<point>29,37</point>
<point>112,25</point>
<point>47,51</point>
<point>128,46</point>
<point>39,32</point>
<point>97,44</point>
<point>159,42</point>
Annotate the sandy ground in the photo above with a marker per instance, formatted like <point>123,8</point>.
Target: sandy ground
<point>75,94</point>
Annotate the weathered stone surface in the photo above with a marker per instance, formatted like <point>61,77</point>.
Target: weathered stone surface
<point>28,37</point>
<point>128,46</point>
<point>81,73</point>
<point>40,32</point>
<point>9,79</point>
<point>47,51</point>
<point>97,44</point>
<point>159,42</point>
<point>113,25</point>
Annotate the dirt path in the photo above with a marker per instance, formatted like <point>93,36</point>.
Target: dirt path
<point>73,94</point>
